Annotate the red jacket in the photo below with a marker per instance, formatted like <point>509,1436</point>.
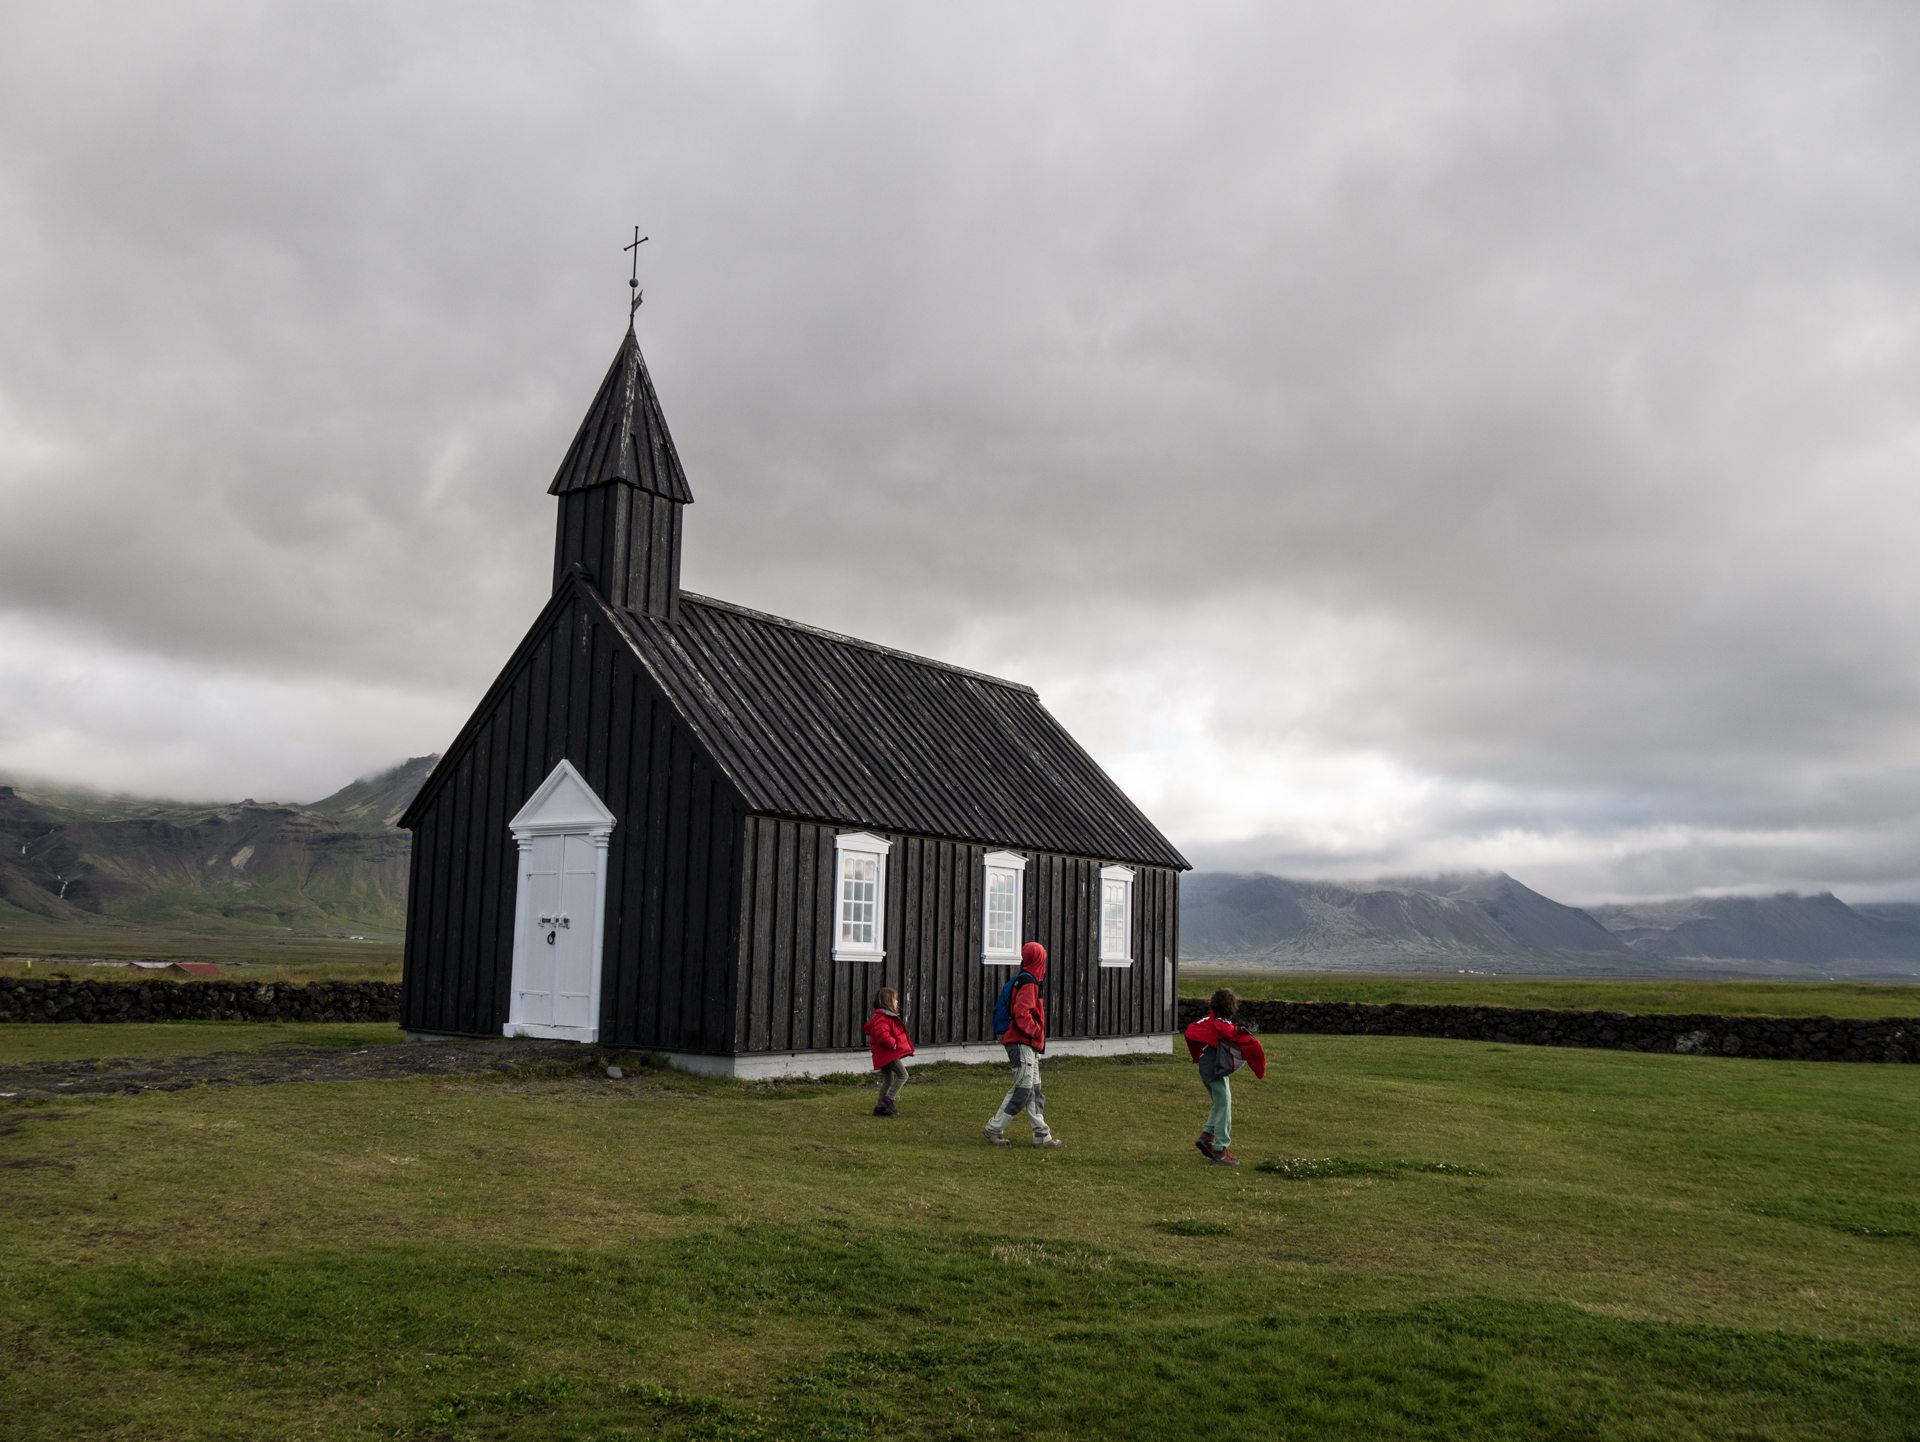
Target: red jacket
<point>1213,1030</point>
<point>1029,1022</point>
<point>888,1038</point>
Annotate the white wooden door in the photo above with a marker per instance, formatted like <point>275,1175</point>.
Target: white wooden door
<point>539,942</point>
<point>553,985</point>
<point>561,837</point>
<point>573,962</point>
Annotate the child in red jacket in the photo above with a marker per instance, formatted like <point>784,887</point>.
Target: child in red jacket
<point>887,1035</point>
<point>1025,1039</point>
<point>1221,1045</point>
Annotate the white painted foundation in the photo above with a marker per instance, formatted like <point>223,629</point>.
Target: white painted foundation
<point>769,1066</point>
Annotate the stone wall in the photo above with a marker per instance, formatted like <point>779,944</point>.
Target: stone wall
<point>85,999</point>
<point>1815,1038</point>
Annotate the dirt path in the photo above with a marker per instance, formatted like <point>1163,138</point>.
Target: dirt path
<point>521,1058</point>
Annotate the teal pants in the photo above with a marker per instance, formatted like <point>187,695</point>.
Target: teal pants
<point>1220,1119</point>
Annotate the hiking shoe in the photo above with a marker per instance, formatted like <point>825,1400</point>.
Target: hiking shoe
<point>1205,1142</point>
<point>994,1137</point>
<point>1225,1159</point>
<point>1052,1144</point>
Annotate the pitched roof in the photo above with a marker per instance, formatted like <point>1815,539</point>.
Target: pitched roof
<point>812,724</point>
<point>624,437</point>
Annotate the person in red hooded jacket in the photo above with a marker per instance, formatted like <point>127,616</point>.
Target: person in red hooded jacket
<point>1025,1038</point>
<point>887,1035</point>
<point>1221,1045</point>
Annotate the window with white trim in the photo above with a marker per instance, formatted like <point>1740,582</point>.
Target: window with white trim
<point>859,897</point>
<point>1116,916</point>
<point>1004,909</point>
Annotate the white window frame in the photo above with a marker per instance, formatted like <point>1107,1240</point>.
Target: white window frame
<point>1123,875</point>
<point>862,844</point>
<point>1004,863</point>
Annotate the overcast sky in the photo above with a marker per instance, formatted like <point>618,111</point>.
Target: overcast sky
<point>1392,437</point>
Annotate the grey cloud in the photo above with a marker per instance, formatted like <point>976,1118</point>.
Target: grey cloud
<point>1544,373</point>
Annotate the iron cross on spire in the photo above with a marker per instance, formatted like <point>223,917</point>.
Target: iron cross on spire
<point>638,241</point>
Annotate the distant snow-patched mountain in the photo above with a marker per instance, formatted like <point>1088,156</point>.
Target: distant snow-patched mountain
<point>1490,922</point>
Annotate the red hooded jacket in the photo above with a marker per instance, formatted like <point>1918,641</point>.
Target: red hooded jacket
<point>1213,1030</point>
<point>887,1035</point>
<point>1029,1022</point>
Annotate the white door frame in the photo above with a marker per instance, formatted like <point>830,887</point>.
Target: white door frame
<point>564,805</point>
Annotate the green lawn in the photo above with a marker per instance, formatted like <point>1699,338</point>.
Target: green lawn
<point>71,1041</point>
<point>1654,1247</point>
<point>1726,998</point>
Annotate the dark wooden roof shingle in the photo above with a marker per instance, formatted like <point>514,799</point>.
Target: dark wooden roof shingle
<point>812,724</point>
<point>624,437</point>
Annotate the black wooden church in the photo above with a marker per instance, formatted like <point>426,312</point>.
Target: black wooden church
<point>677,824</point>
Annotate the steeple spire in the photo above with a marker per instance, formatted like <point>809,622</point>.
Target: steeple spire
<point>621,489</point>
<point>624,437</point>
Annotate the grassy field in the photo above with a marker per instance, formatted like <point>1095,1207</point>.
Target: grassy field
<point>74,1042</point>
<point>1649,1247</point>
<point>1728,998</point>
<point>65,951</point>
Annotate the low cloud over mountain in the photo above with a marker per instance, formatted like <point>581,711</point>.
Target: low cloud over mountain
<point>76,858</point>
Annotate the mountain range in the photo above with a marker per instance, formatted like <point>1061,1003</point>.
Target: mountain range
<point>338,866</point>
<point>332,867</point>
<point>1489,922</point>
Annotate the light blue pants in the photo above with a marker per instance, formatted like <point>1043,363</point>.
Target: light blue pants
<point>1220,1119</point>
<point>1025,1095</point>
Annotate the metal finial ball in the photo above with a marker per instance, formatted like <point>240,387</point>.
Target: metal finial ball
<point>634,283</point>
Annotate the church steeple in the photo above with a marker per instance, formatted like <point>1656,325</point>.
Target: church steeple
<point>621,489</point>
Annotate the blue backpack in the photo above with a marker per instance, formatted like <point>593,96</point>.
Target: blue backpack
<point>1003,1008</point>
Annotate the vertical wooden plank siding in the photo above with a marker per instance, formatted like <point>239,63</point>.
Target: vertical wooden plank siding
<point>794,997</point>
<point>628,541</point>
<point>831,982</point>
<point>720,922</point>
<point>575,691</point>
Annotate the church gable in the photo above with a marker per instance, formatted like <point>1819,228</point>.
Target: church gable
<point>574,699</point>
